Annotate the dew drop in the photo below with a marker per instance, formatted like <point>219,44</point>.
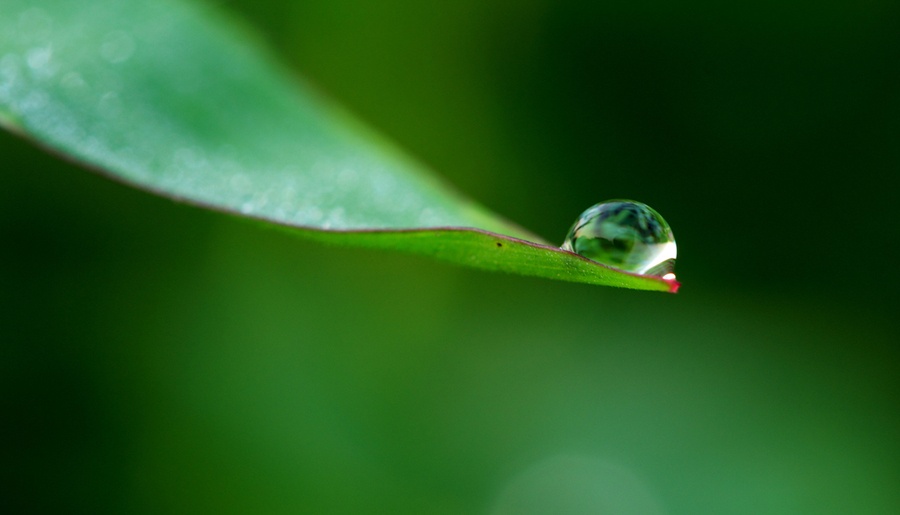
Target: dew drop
<point>627,235</point>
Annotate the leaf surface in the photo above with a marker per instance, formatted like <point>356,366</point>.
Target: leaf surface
<point>176,98</point>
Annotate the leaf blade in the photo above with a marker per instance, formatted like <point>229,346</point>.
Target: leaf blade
<point>171,97</point>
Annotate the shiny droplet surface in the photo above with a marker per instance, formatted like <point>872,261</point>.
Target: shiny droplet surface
<point>627,235</point>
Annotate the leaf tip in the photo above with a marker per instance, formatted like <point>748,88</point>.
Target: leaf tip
<point>673,285</point>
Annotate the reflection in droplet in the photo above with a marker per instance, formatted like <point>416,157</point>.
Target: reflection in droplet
<point>627,235</point>
<point>117,47</point>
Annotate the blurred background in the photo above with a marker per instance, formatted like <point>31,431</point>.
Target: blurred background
<point>159,358</point>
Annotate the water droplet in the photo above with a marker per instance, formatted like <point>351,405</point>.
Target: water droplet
<point>627,235</point>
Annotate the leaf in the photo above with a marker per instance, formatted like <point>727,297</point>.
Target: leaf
<point>175,98</point>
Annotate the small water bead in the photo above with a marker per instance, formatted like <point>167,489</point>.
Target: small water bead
<point>627,235</point>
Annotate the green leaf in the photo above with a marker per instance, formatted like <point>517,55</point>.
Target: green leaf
<point>177,99</point>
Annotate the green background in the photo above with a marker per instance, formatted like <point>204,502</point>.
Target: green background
<point>159,358</point>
